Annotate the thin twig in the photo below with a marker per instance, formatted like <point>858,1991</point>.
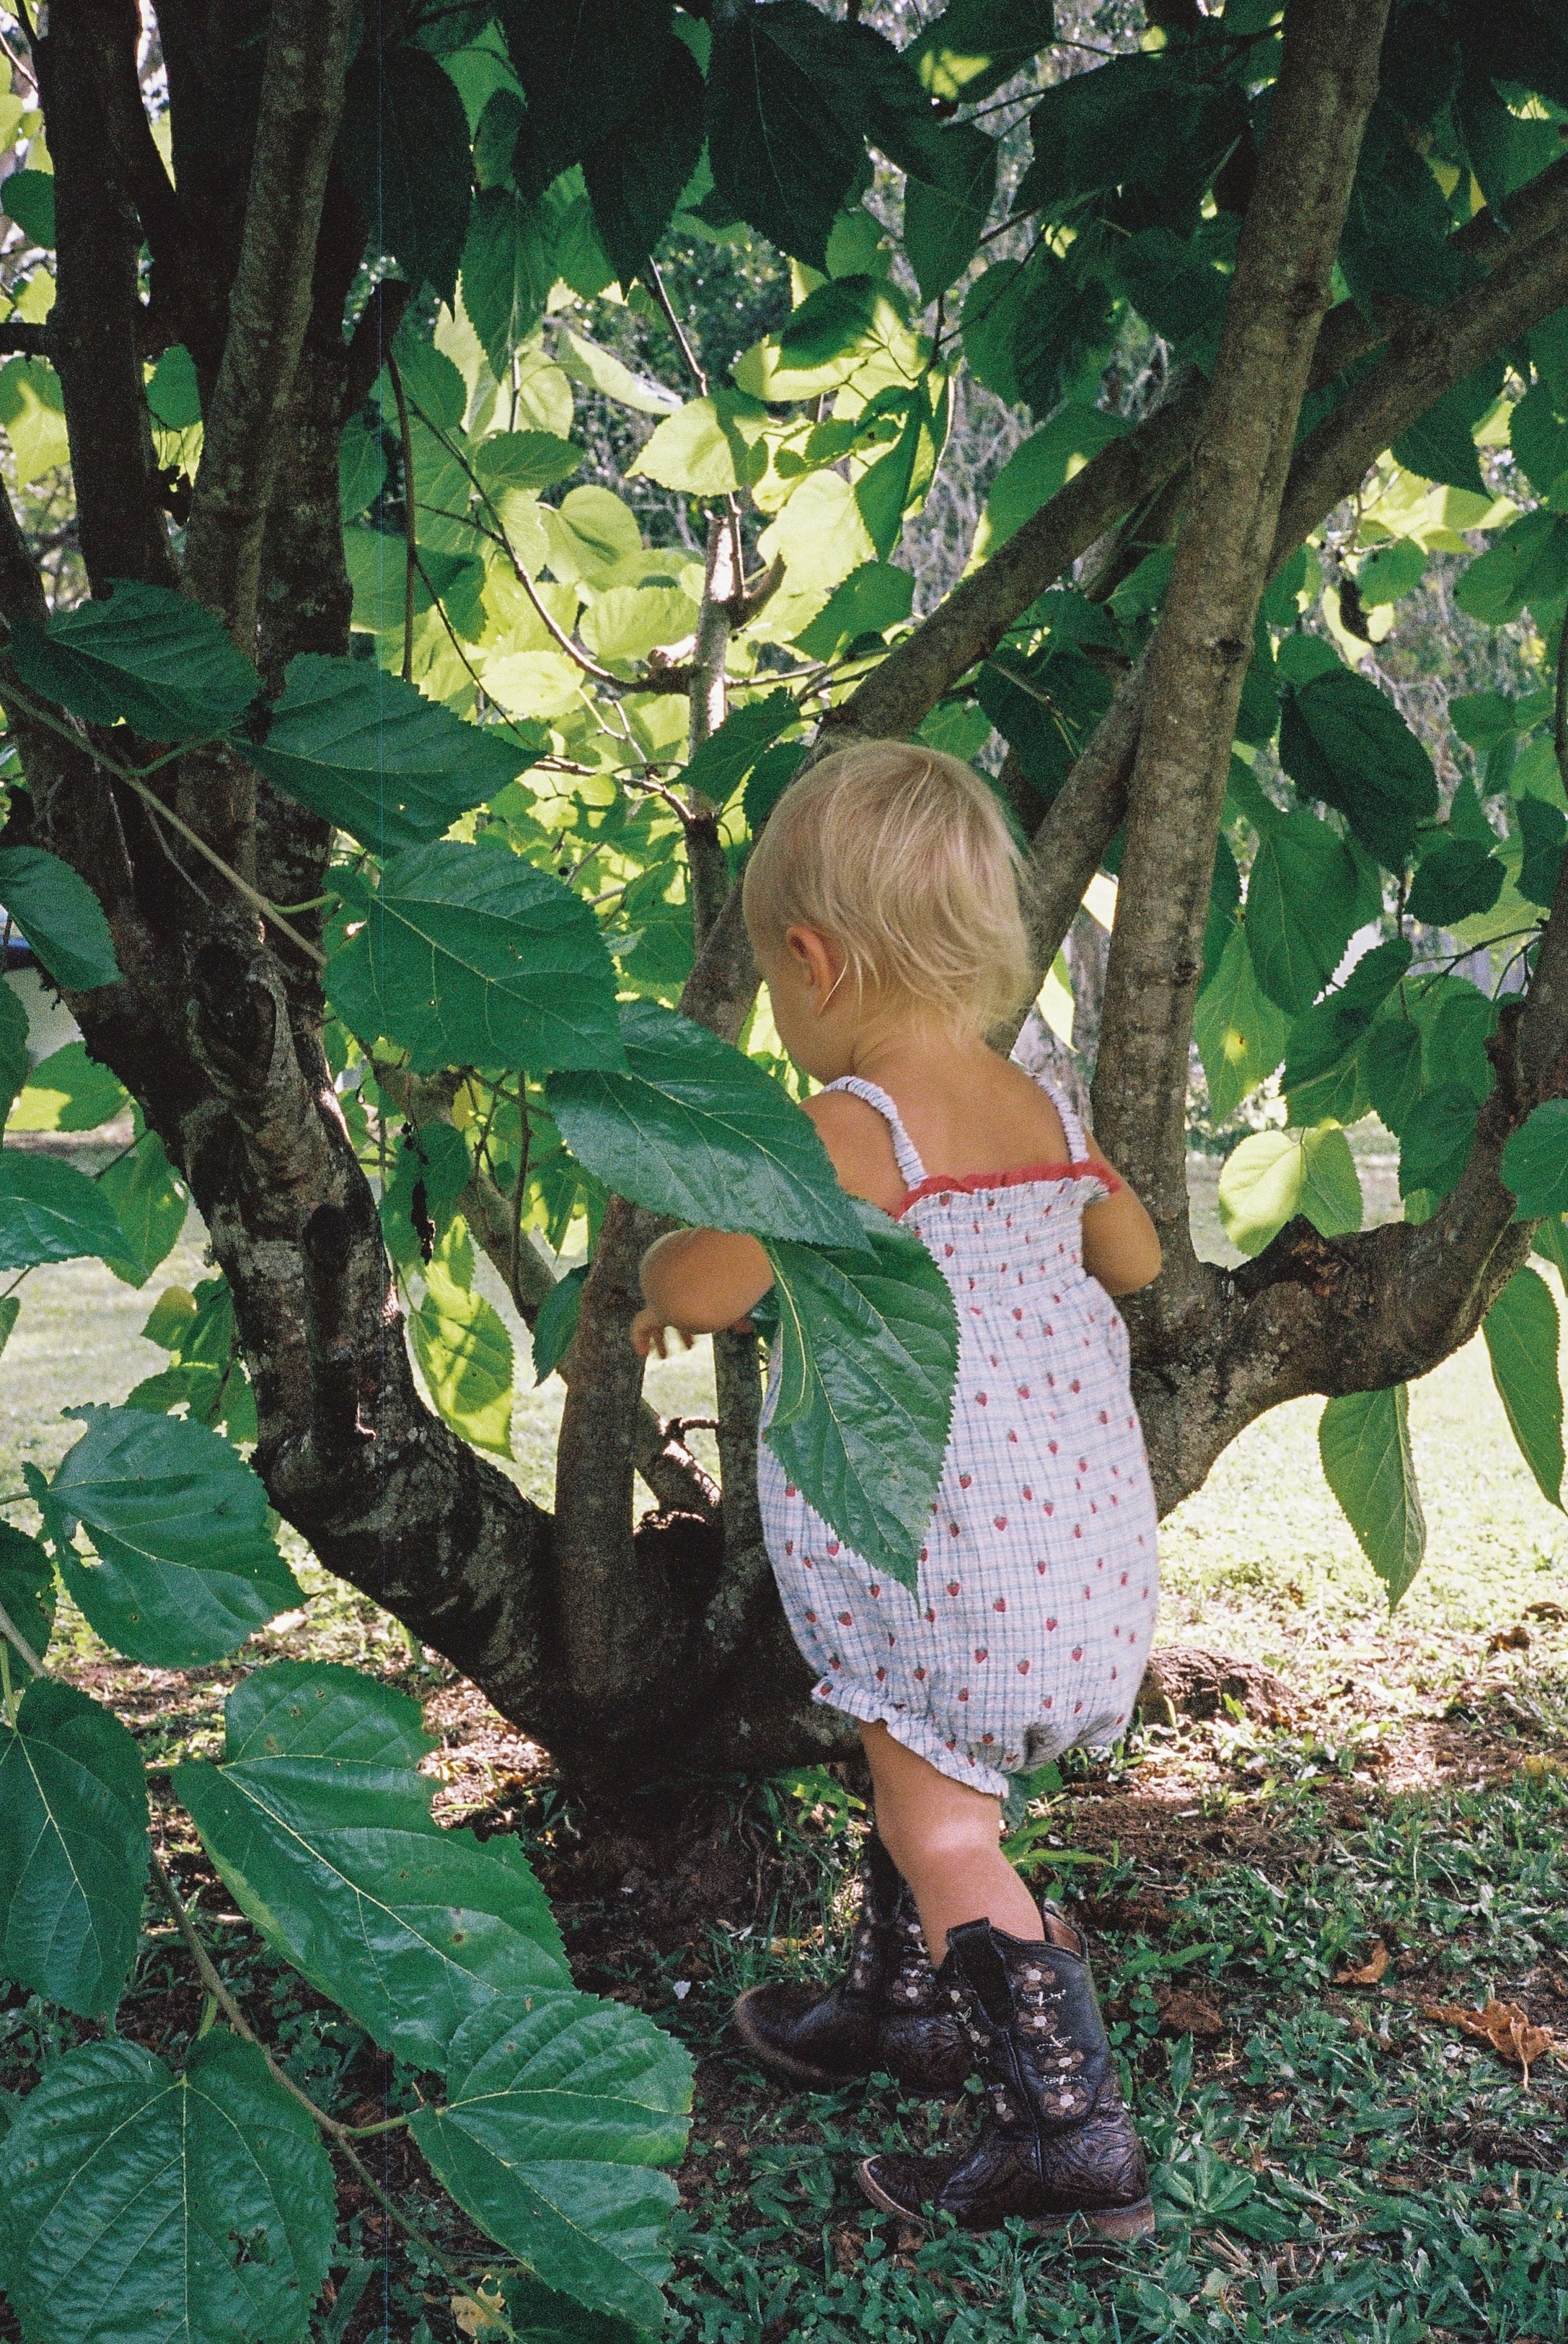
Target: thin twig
<point>13,1635</point>
<point>656,283</point>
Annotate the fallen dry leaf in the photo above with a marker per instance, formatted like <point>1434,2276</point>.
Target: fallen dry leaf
<point>1371,1971</point>
<point>1186,2013</point>
<point>1511,2032</point>
<point>1510,1640</point>
<point>481,2314</point>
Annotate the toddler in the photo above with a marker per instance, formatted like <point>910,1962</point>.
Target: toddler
<point>882,902</point>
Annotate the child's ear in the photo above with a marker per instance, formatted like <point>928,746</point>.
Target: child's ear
<point>814,960</point>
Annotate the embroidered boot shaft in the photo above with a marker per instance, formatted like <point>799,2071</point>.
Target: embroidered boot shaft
<point>886,2011</point>
<point>1057,2145</point>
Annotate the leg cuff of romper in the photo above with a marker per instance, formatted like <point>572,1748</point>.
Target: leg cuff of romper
<point>918,1735</point>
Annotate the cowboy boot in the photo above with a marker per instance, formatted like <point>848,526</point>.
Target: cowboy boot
<point>1057,2145</point>
<point>885,2013</point>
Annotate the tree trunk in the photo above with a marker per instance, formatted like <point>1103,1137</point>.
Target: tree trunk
<point>634,1653</point>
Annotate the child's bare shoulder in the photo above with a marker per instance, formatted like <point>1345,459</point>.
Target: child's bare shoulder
<point>859,1147</point>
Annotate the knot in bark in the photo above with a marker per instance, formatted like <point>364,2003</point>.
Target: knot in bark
<point>236,1018</point>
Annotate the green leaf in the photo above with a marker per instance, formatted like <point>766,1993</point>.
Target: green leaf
<point>1303,908</point>
<point>329,1845</point>
<point>361,468</point>
<point>784,160</point>
<point>403,149</point>
<point>174,390</point>
<point>1538,434</point>
<point>705,450</point>
<point>1390,573</point>
<point>540,2315</point>
<point>377,758</point>
<point>73,1848</point>
<point>151,1202</point>
<point>1441,445</point>
<point>318,1709</point>
<point>1550,1242</point>
<point>33,410</point>
<point>1535,1162</point>
<point>51,1212</point>
<point>526,461</point>
<point>949,184</point>
<point>584,361</point>
<point>60,916</point>
<point>1543,830</point>
<point>67,1091</point>
<point>865,1398</point>
<point>872,600</point>
<point>557,1322</point>
<point>468,956</point>
<point>14,1063</point>
<point>1323,1035</point>
<point>147,655</point>
<point>554,2115</point>
<point>465,1357</point>
<point>975,46</point>
<point>1390,1067</point>
<point>1364,1442</point>
<point>694,1129</point>
<point>1344,741</point>
<point>1396,232</point>
<point>197,2208</point>
<point>1240,1031</point>
<point>1453,881</point>
<point>187,1565</point>
<point>635,176</point>
<point>727,756</point>
<point>507,271</point>
<point>627,623</point>
<point>1435,1139</point>
<point>1139,121</point>
<point>771,775</point>
<point>1034,472</point>
<point>1527,566</point>
<point>1273,1176</point>
<point>1522,1338</point>
<point>30,202</point>
<point>586,65</point>
<point>27,1587</point>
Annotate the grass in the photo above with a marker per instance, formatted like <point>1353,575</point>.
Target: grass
<point>1331,2160</point>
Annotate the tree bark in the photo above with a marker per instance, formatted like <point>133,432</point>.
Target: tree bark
<point>1200,650</point>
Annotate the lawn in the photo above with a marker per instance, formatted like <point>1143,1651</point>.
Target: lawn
<point>1332,2159</point>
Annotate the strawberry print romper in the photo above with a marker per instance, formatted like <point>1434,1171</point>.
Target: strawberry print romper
<point>1038,1581</point>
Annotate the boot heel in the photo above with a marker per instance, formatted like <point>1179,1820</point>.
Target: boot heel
<point>1118,2224</point>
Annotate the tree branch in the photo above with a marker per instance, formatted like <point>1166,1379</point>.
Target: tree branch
<point>1201,648</point>
<point>93,329</point>
<point>301,100</point>
<point>1431,350</point>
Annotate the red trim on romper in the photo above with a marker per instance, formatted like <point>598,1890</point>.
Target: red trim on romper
<point>971,1183</point>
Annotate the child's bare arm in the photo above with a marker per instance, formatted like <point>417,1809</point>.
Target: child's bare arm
<point>698,1280</point>
<point>1121,1248</point>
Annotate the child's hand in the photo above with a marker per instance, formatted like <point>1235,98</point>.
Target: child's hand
<point>650,1332</point>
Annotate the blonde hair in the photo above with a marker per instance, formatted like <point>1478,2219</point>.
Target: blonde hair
<point>903,857</point>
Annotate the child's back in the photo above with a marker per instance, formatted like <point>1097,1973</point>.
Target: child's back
<point>1037,1583</point>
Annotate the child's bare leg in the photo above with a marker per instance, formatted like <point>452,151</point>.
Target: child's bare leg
<point>945,1839</point>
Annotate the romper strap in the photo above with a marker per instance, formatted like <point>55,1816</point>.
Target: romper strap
<point>904,1147</point>
<point>1078,1146</point>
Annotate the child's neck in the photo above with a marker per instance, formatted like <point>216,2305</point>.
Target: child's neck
<point>885,1051</point>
